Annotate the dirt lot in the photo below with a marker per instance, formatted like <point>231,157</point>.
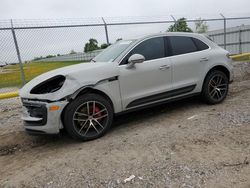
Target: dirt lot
<point>182,144</point>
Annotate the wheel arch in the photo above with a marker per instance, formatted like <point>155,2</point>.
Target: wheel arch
<point>87,89</point>
<point>90,89</point>
<point>219,68</point>
<point>222,69</point>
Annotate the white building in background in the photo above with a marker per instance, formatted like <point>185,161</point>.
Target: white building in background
<point>237,38</point>
<point>72,57</point>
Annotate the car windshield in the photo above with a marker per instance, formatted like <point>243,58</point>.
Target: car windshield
<point>113,51</point>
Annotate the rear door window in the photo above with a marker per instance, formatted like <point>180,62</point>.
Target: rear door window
<point>182,45</point>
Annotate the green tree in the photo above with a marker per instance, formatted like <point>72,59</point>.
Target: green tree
<point>201,26</point>
<point>72,52</point>
<point>104,45</point>
<point>49,56</point>
<point>37,58</point>
<point>91,45</point>
<point>180,26</point>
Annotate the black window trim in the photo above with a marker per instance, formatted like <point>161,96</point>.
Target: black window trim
<point>169,47</point>
<point>165,45</point>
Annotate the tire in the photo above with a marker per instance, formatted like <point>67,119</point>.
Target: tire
<point>88,117</point>
<point>215,87</point>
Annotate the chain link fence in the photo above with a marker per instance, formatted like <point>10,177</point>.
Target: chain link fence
<point>31,47</point>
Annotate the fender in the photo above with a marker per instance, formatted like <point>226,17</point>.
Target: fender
<point>101,86</point>
<point>92,86</point>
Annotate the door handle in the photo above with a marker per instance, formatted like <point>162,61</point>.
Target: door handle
<point>164,67</point>
<point>203,59</point>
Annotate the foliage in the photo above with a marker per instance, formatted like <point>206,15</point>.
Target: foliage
<point>37,58</point>
<point>91,45</point>
<point>201,26</point>
<point>72,52</point>
<point>180,26</point>
<point>41,57</point>
<point>49,56</point>
<point>103,46</point>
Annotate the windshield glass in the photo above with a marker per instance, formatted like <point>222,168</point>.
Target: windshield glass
<point>113,51</point>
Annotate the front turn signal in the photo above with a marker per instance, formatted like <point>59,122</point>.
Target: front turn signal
<point>54,108</point>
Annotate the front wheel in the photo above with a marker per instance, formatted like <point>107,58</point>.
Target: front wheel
<point>88,117</point>
<point>215,87</point>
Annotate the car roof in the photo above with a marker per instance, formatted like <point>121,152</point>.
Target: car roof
<point>199,36</point>
<point>188,34</point>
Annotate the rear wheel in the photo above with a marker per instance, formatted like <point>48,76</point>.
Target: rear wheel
<point>88,117</point>
<point>215,87</point>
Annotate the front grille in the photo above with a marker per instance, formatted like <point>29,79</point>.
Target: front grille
<point>37,111</point>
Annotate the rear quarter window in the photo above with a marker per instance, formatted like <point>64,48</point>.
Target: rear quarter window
<point>200,45</point>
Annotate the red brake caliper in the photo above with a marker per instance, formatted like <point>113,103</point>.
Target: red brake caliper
<point>97,109</point>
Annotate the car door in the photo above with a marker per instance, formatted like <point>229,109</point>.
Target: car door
<point>146,82</point>
<point>189,56</point>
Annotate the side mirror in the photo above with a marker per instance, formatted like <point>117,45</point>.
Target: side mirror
<point>135,58</point>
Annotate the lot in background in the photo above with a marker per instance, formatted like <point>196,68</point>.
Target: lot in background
<point>10,74</point>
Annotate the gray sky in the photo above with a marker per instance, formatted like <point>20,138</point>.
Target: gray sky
<point>115,8</point>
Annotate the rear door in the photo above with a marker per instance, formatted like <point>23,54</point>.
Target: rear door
<point>189,56</point>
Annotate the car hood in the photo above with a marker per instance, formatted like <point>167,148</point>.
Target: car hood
<point>77,76</point>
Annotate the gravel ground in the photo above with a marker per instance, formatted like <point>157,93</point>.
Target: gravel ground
<point>182,144</point>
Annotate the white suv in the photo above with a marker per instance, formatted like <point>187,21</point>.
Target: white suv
<point>129,75</point>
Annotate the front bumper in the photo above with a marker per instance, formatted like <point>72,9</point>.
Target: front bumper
<point>39,118</point>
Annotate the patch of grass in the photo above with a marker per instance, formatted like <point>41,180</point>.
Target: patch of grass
<point>10,75</point>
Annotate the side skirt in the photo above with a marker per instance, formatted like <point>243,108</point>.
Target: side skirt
<point>158,103</point>
<point>161,96</point>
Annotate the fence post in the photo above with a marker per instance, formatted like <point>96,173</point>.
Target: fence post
<point>225,31</point>
<point>106,31</point>
<point>175,21</point>
<point>240,41</point>
<point>173,18</point>
<point>18,53</point>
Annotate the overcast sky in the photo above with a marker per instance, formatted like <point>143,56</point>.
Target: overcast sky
<point>116,8</point>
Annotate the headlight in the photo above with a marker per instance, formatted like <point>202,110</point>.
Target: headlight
<point>49,86</point>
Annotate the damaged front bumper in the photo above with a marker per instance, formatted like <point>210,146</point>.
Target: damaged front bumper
<point>42,117</point>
